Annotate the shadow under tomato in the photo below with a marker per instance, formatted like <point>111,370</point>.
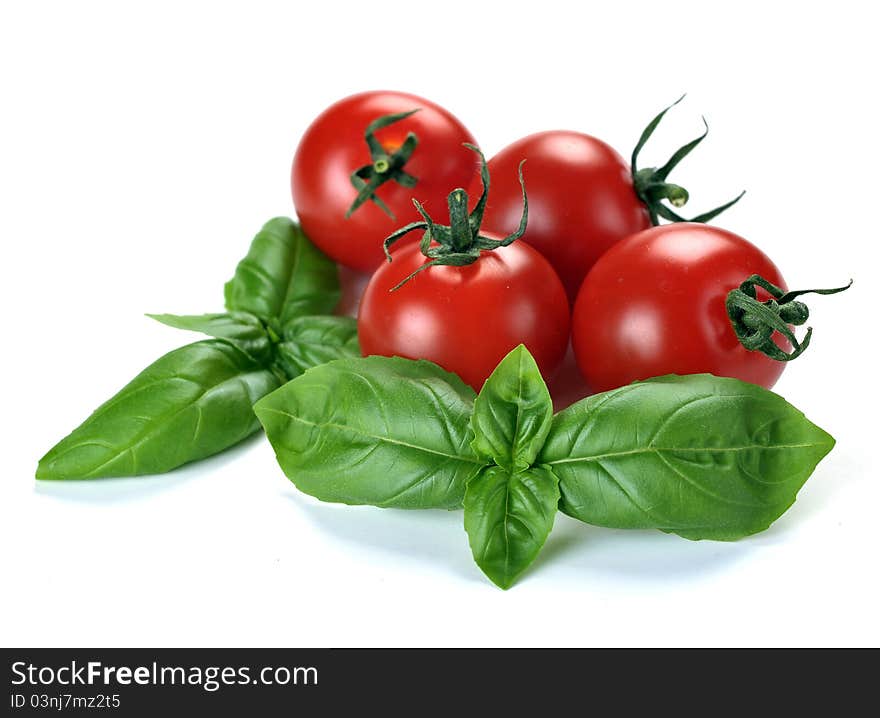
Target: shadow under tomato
<point>351,284</point>
<point>427,536</point>
<point>567,386</point>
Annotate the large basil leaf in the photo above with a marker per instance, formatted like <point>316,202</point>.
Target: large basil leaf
<point>310,341</point>
<point>376,430</point>
<point>283,276</point>
<point>513,412</point>
<point>508,516</point>
<point>700,456</point>
<point>240,328</point>
<point>191,403</point>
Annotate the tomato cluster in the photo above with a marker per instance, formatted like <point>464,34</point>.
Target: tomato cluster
<point>568,248</point>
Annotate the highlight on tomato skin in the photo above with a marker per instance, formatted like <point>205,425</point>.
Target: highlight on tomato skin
<point>467,319</point>
<point>334,147</point>
<point>654,304</point>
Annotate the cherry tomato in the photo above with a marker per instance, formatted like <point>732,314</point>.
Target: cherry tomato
<point>654,304</point>
<point>581,199</point>
<point>466,319</point>
<point>334,147</point>
<point>585,197</point>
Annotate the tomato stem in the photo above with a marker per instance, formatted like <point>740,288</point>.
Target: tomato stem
<point>651,185</point>
<point>459,243</point>
<point>756,322</point>
<point>383,167</point>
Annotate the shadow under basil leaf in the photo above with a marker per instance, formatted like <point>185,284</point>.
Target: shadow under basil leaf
<point>134,488</point>
<point>636,555</point>
<point>429,536</point>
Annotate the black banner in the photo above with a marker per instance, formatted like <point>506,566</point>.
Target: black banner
<point>150,682</point>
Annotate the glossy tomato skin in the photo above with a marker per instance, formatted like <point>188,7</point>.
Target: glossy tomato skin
<point>654,305</point>
<point>581,199</point>
<point>466,319</point>
<point>333,147</point>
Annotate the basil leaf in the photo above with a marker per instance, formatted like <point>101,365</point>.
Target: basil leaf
<point>191,403</point>
<point>513,412</point>
<point>375,430</point>
<point>701,456</point>
<point>310,341</point>
<point>240,328</point>
<point>508,516</point>
<point>283,276</point>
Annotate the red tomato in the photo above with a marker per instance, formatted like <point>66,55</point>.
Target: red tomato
<point>334,146</point>
<point>466,319</point>
<point>581,199</point>
<point>655,304</point>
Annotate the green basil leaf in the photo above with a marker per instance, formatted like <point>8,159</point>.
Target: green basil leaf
<point>240,328</point>
<point>376,430</point>
<point>701,456</point>
<point>191,403</point>
<point>508,516</point>
<point>513,412</point>
<point>283,275</point>
<point>310,341</point>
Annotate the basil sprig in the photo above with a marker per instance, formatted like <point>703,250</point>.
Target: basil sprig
<point>198,400</point>
<point>701,456</point>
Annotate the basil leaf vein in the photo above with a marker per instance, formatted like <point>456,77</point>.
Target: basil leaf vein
<point>508,516</point>
<point>513,412</point>
<point>701,456</point>
<point>310,341</point>
<point>381,431</point>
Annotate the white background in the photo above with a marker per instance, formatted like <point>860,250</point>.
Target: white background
<point>143,144</point>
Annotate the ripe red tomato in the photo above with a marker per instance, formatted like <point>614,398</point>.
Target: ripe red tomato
<point>466,319</point>
<point>581,199</point>
<point>585,197</point>
<point>654,304</point>
<point>334,146</point>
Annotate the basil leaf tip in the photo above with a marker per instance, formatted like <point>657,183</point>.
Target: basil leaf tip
<point>197,400</point>
<point>513,412</point>
<point>191,403</point>
<point>701,456</point>
<point>508,515</point>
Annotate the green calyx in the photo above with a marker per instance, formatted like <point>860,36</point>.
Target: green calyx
<point>459,243</point>
<point>651,185</point>
<point>384,166</point>
<point>756,322</point>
